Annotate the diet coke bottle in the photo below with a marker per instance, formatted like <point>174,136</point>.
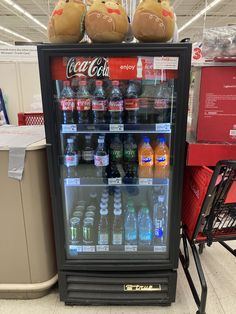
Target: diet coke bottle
<point>131,104</point>
<point>99,104</point>
<point>67,104</point>
<point>83,103</point>
<point>116,104</point>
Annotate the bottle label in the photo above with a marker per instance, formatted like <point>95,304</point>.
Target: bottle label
<point>130,154</point>
<point>101,161</point>
<point>158,232</point>
<point>117,106</point>
<point>161,104</point>
<point>83,104</point>
<point>99,105</point>
<point>116,154</point>
<point>147,160</point>
<point>103,238</point>
<point>145,236</point>
<point>67,104</point>
<point>117,238</point>
<point>131,104</point>
<point>162,160</point>
<point>88,155</point>
<point>71,160</point>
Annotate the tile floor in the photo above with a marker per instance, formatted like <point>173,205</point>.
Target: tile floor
<point>220,271</point>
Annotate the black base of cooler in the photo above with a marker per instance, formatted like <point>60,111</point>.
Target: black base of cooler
<point>121,288</point>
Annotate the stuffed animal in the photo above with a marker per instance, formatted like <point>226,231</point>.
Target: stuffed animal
<point>106,22</point>
<point>153,21</point>
<point>66,25</point>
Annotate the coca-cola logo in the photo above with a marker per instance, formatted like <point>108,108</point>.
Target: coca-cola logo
<point>94,67</point>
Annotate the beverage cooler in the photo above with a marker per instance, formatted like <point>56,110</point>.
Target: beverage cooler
<point>115,118</point>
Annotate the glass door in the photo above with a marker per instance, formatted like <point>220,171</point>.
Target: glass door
<point>115,119</point>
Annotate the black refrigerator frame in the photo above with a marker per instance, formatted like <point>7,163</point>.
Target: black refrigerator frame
<point>124,266</point>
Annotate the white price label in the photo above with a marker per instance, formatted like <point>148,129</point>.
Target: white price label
<point>102,248</point>
<point>160,249</point>
<point>163,127</point>
<point>232,133</point>
<point>115,181</point>
<point>116,127</point>
<point>76,248</point>
<point>166,63</point>
<point>89,248</point>
<point>145,181</point>
<point>72,182</point>
<point>131,248</point>
<point>69,128</point>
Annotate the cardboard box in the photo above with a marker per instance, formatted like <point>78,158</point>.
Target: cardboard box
<point>214,104</point>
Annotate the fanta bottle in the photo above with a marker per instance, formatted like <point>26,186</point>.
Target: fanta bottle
<point>146,159</point>
<point>162,159</point>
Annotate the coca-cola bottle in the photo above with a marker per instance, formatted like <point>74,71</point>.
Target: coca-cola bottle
<point>99,104</point>
<point>71,159</point>
<point>131,104</point>
<point>116,104</point>
<point>67,104</point>
<point>162,104</point>
<point>83,103</point>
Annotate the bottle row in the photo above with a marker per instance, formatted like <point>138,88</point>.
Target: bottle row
<point>110,105</point>
<point>106,220</point>
<point>137,156</point>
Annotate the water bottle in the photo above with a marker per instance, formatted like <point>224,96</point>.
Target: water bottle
<point>159,221</point>
<point>131,228</point>
<point>117,236</point>
<point>145,227</point>
<point>103,226</point>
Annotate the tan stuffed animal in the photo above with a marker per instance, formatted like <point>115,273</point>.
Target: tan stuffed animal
<point>66,25</point>
<point>106,22</point>
<point>154,21</point>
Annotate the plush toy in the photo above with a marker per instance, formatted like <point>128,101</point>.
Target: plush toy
<point>66,25</point>
<point>106,22</point>
<point>153,21</point>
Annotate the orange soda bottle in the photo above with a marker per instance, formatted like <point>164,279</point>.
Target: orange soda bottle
<point>146,159</point>
<point>162,159</point>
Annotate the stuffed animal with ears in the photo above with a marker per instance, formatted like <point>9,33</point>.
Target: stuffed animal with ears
<point>66,24</point>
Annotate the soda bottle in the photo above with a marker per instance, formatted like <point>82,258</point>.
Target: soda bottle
<point>131,104</point>
<point>75,230</point>
<point>117,234</point>
<point>88,231</point>
<point>162,159</point>
<point>83,103</point>
<point>116,104</point>
<point>162,104</point>
<point>131,228</point>
<point>159,221</point>
<point>99,104</point>
<point>146,103</point>
<point>93,199</point>
<point>103,226</point>
<point>130,149</point>
<point>145,227</point>
<point>116,150</point>
<point>67,104</point>
<point>70,158</point>
<point>101,159</point>
<point>88,151</point>
<point>146,158</point>
<point>75,84</point>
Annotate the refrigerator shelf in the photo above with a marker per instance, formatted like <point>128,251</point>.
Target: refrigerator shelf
<point>164,128</point>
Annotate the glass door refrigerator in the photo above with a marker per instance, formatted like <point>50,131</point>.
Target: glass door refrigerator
<point>115,118</point>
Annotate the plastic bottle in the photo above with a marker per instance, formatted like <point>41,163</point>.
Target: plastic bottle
<point>116,104</point>
<point>83,103</point>
<point>146,158</point>
<point>131,228</point>
<point>101,159</point>
<point>162,159</point>
<point>103,226</point>
<point>70,158</point>
<point>159,221</point>
<point>88,151</point>
<point>67,104</point>
<point>117,235</point>
<point>162,104</point>
<point>99,104</point>
<point>130,149</point>
<point>93,199</point>
<point>145,227</point>
<point>131,104</point>
<point>116,150</point>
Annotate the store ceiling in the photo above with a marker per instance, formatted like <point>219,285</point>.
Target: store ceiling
<point>222,14</point>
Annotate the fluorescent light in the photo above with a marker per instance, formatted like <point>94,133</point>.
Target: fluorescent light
<point>24,12</point>
<point>197,16</point>
<point>4,43</point>
<point>14,33</point>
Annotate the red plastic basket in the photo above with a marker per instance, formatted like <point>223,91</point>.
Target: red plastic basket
<point>30,118</point>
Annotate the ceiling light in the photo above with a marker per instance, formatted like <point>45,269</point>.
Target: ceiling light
<point>4,43</point>
<point>24,12</point>
<point>197,16</point>
<point>14,33</point>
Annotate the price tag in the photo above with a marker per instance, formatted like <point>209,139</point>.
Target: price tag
<point>89,248</point>
<point>116,127</point>
<point>72,182</point>
<point>115,181</point>
<point>77,248</point>
<point>163,127</point>
<point>160,248</point>
<point>69,128</point>
<point>131,248</point>
<point>166,63</point>
<point>145,181</point>
<point>102,248</point>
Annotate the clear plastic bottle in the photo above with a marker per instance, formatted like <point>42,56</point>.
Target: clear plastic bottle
<point>131,104</point>
<point>71,158</point>
<point>117,235</point>
<point>101,159</point>
<point>67,104</point>
<point>99,104</point>
<point>162,104</point>
<point>83,103</point>
<point>116,104</point>
<point>145,227</point>
<point>88,151</point>
<point>131,228</point>
<point>103,226</point>
<point>160,221</point>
